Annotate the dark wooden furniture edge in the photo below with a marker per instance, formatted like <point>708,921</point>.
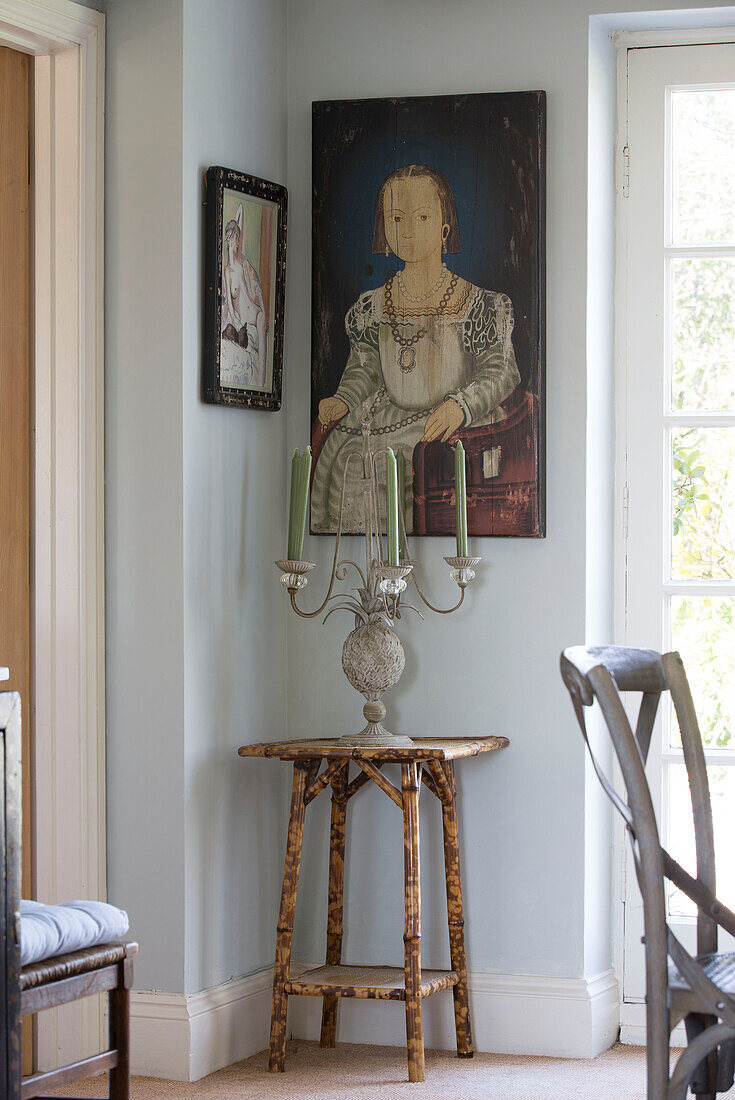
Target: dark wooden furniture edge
<point>107,968</point>
<point>58,980</point>
<point>10,889</point>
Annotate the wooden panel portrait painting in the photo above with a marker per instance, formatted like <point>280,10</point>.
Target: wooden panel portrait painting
<point>428,268</point>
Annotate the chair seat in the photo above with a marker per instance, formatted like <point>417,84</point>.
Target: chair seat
<point>76,962</point>
<point>719,968</point>
<point>47,931</point>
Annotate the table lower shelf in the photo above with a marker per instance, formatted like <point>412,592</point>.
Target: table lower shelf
<point>378,983</point>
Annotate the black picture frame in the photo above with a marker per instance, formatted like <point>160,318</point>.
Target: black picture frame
<point>245,277</point>
<point>485,152</point>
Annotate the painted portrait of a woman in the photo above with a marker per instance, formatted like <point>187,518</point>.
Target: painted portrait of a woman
<point>430,353</point>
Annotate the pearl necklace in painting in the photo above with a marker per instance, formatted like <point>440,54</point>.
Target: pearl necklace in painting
<point>422,297</point>
<point>407,354</point>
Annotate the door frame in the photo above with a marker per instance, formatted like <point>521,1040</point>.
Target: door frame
<point>68,565</point>
<point>632,1014</point>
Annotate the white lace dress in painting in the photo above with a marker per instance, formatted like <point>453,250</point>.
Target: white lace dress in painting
<point>467,356</point>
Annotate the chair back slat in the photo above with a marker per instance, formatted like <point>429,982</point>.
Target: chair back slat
<point>639,670</point>
<point>696,766</point>
<point>646,720</point>
<point>632,669</point>
<point>647,847</point>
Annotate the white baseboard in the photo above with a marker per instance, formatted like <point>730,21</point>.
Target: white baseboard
<point>634,1035</point>
<point>633,1027</point>
<point>185,1037</point>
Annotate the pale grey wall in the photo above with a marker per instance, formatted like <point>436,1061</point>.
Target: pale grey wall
<point>195,513</point>
<point>144,482</point>
<point>234,491</point>
<point>494,667</point>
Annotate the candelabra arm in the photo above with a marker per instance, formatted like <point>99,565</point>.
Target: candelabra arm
<point>334,576</point>
<point>293,591</point>
<point>438,610</point>
<point>342,571</point>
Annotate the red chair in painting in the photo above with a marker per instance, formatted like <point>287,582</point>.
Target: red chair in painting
<point>502,475</point>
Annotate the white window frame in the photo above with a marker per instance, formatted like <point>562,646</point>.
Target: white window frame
<point>632,1016</point>
<point>68,41</point>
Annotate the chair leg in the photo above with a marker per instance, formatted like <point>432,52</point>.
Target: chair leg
<point>335,918</point>
<point>412,932</point>
<point>703,1082</point>
<point>455,916</point>
<point>281,969</point>
<point>657,1015</point>
<point>119,1027</point>
<point>726,1067</point>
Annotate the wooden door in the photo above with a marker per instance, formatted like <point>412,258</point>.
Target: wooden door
<point>15,423</point>
<point>15,388</point>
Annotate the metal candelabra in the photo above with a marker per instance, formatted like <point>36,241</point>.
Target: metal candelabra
<point>372,656</point>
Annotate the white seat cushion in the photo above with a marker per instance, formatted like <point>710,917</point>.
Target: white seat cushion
<point>48,930</point>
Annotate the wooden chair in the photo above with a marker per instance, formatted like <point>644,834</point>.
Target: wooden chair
<point>51,982</point>
<point>700,990</point>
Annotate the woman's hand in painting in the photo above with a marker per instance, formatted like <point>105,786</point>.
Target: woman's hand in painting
<point>443,422</point>
<point>331,409</point>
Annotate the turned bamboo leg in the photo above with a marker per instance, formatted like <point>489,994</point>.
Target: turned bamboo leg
<point>412,933</point>
<point>455,916</point>
<point>335,918</point>
<point>277,1060</point>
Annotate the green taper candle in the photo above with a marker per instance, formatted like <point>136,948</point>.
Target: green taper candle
<point>292,507</point>
<point>400,459</point>
<point>391,496</point>
<point>302,502</point>
<point>460,496</point>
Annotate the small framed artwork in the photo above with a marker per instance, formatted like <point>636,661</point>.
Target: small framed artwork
<point>245,279</point>
<point>428,305</point>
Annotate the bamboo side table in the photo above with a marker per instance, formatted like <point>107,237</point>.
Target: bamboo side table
<point>431,761</point>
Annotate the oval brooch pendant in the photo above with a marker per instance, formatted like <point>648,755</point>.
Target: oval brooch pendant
<point>407,360</point>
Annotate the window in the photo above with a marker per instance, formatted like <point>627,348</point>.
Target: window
<point>676,428</point>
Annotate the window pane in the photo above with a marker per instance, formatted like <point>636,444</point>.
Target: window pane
<point>703,166</point>
<point>703,631</point>
<point>703,504</point>
<point>680,835</point>
<point>703,334</point>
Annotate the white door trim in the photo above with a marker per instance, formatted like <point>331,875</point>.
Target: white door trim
<point>620,524</point>
<point>673,36</point>
<point>68,479</point>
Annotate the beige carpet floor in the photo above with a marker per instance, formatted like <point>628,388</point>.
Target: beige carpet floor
<point>378,1073</point>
